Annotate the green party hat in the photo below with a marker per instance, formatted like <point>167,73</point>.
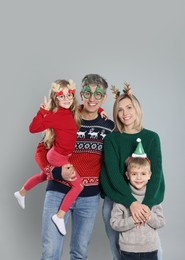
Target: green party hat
<point>139,151</point>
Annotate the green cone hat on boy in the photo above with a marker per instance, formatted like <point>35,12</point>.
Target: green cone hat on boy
<point>139,151</point>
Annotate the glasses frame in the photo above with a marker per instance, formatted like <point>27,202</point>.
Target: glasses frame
<point>97,91</point>
<point>68,96</point>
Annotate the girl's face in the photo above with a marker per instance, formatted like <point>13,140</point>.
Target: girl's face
<point>126,113</point>
<point>66,99</point>
<point>138,177</point>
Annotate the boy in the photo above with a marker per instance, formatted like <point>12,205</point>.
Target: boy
<point>136,240</point>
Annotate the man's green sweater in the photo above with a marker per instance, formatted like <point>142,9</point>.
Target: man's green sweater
<point>117,148</point>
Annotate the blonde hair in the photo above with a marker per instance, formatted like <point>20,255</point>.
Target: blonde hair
<point>119,126</point>
<point>133,162</point>
<point>57,86</point>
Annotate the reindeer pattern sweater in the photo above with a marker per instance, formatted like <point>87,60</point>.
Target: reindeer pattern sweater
<point>87,156</point>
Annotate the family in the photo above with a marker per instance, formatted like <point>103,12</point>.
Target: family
<point>85,156</point>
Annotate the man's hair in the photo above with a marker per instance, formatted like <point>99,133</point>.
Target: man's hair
<point>94,79</point>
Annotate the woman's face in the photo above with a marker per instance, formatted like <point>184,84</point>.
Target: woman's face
<point>126,112</point>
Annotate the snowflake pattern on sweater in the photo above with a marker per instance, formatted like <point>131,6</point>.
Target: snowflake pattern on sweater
<point>90,139</point>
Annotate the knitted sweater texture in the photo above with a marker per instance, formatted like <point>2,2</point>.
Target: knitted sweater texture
<point>117,148</point>
<point>132,238</point>
<point>64,127</point>
<point>87,156</point>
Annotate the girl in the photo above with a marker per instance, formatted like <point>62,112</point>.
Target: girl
<point>60,119</point>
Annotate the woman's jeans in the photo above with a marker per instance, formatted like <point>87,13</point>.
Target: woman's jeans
<point>83,212</point>
<point>113,235</point>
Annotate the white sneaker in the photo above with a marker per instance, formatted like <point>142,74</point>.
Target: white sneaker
<point>20,199</point>
<point>59,222</point>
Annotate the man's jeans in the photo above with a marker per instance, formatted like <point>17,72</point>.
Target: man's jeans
<point>113,235</point>
<point>83,212</point>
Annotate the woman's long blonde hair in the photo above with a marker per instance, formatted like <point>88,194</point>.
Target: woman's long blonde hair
<point>119,126</point>
<point>57,86</point>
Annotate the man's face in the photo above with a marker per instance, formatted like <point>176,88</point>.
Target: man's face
<point>93,97</point>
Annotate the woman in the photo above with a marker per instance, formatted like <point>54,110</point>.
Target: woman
<point>118,146</point>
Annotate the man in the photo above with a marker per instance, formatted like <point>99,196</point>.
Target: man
<point>87,159</point>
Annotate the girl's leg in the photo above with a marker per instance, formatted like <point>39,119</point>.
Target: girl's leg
<point>40,158</point>
<point>29,184</point>
<point>34,180</point>
<point>76,188</point>
<point>57,159</point>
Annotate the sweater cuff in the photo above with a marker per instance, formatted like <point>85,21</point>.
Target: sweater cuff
<point>56,173</point>
<point>43,111</point>
<point>100,110</point>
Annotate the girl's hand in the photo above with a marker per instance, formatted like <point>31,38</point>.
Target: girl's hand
<point>104,115</point>
<point>46,105</point>
<point>140,212</point>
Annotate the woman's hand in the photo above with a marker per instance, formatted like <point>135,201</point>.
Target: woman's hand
<point>140,212</point>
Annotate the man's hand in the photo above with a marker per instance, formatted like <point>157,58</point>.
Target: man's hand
<point>68,173</point>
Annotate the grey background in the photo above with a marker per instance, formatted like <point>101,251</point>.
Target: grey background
<point>141,42</point>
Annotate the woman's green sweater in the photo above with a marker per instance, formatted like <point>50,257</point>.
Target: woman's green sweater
<point>117,148</point>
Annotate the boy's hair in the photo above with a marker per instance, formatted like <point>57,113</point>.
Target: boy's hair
<point>133,162</point>
<point>119,127</point>
<point>94,79</point>
<point>60,85</point>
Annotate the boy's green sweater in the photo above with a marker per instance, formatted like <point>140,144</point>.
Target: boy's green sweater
<point>117,148</point>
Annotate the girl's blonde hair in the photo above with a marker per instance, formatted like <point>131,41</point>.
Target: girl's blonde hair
<point>119,126</point>
<point>57,86</point>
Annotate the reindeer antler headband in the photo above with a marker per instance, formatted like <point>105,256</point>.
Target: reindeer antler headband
<point>57,88</point>
<point>126,90</point>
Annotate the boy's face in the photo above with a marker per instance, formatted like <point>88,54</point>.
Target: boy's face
<point>138,177</point>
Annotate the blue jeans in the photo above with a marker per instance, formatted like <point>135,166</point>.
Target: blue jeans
<point>83,212</point>
<point>113,235</point>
